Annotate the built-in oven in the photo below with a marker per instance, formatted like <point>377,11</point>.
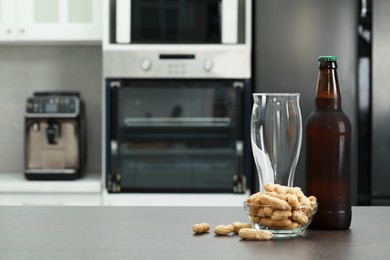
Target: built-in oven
<point>176,135</point>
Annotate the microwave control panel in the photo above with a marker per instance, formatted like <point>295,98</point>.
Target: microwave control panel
<point>175,67</point>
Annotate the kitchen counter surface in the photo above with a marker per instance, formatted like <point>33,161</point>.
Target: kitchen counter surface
<point>166,233</point>
<point>15,182</point>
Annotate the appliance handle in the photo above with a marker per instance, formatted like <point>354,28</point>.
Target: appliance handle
<point>177,56</point>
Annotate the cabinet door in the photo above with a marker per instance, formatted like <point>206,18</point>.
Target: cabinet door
<point>59,20</point>
<point>7,20</point>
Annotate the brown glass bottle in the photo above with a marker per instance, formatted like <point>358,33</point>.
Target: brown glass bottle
<point>328,152</point>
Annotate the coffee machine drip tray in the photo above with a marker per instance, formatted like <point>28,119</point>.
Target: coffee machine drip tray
<point>49,171</point>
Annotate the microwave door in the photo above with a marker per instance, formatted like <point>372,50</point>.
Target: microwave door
<point>229,21</point>
<point>123,21</point>
<point>176,21</point>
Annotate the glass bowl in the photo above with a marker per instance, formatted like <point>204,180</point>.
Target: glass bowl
<point>281,221</point>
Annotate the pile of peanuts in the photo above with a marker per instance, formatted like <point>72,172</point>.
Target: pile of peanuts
<point>244,230</point>
<point>277,207</point>
<point>280,207</point>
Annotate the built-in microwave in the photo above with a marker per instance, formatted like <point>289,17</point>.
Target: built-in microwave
<point>172,135</point>
<point>179,21</point>
<point>177,39</point>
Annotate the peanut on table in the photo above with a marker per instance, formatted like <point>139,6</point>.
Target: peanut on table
<point>201,228</point>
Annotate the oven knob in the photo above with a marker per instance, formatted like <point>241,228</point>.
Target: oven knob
<point>208,65</point>
<point>146,64</point>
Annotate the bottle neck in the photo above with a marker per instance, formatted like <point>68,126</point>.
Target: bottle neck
<point>328,92</point>
<point>328,103</point>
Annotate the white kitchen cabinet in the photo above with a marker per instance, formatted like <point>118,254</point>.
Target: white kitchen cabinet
<point>50,20</point>
<point>7,20</point>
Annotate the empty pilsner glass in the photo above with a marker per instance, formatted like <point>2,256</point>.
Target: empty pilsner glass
<point>276,135</point>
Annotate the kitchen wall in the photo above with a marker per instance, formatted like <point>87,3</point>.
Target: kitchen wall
<point>25,69</point>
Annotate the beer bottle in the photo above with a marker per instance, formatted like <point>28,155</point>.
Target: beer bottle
<point>328,152</point>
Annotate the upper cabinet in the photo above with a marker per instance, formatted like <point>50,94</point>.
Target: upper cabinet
<point>50,20</point>
<point>7,19</point>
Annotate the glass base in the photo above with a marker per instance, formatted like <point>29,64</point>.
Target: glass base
<point>282,233</point>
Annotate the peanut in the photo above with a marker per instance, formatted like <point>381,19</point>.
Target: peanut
<point>305,201</point>
<point>293,225</point>
<point>265,212</point>
<point>277,195</point>
<point>299,217</point>
<point>280,189</point>
<point>253,210</point>
<point>277,224</point>
<point>266,199</point>
<point>294,190</point>
<point>293,200</point>
<point>252,199</point>
<point>254,234</point>
<point>222,230</point>
<point>307,210</point>
<point>255,219</point>
<point>201,228</point>
<point>239,225</point>
<point>281,214</point>
<point>313,200</point>
<point>269,187</point>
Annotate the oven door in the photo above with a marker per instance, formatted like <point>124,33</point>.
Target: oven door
<point>174,135</point>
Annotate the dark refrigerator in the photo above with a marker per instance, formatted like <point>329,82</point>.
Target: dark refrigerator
<point>290,35</point>
<point>289,38</point>
<point>378,184</point>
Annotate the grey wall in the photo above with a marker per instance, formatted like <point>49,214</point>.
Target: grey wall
<point>25,69</point>
<point>289,37</point>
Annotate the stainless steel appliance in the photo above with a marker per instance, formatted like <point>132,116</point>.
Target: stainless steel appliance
<point>177,136</point>
<point>175,58</point>
<point>355,31</point>
<point>178,21</point>
<point>176,108</point>
<point>378,179</point>
<point>286,52</point>
<point>54,137</point>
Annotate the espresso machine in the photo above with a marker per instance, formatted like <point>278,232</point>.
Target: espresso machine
<point>54,136</point>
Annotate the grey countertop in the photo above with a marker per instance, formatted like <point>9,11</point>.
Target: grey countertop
<point>166,233</point>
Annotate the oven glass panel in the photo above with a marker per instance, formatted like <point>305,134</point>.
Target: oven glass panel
<point>175,136</point>
<point>176,21</point>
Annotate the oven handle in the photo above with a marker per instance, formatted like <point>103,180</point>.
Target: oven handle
<point>239,177</point>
